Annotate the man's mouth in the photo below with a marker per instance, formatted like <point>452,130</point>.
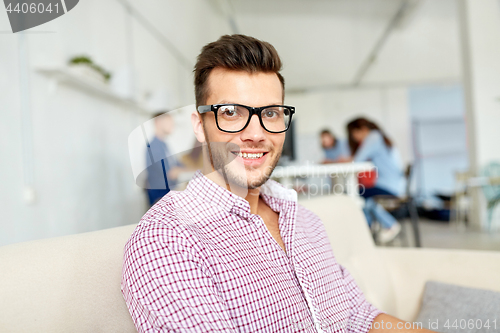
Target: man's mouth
<point>249,156</point>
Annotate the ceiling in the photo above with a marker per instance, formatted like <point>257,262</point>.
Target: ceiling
<point>325,43</point>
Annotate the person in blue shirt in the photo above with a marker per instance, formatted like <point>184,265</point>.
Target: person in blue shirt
<point>369,143</point>
<point>163,169</point>
<point>335,150</point>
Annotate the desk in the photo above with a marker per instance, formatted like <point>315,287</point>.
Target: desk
<point>347,170</point>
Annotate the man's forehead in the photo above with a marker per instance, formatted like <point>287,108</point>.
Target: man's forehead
<point>240,87</point>
<point>235,102</point>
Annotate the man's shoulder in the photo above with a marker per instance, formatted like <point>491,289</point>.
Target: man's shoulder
<point>307,217</point>
<point>171,212</point>
<point>175,209</point>
<point>178,213</point>
<point>301,209</point>
<point>169,225</point>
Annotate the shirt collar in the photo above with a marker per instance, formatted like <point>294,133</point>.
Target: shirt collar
<point>208,191</point>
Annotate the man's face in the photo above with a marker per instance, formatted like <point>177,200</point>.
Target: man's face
<point>251,89</point>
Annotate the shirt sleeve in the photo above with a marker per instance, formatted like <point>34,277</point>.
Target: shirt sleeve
<point>167,289</point>
<point>362,312</point>
<point>370,147</point>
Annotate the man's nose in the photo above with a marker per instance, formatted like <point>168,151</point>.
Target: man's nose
<point>254,131</point>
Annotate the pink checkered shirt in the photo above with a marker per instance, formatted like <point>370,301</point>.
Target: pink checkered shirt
<point>199,261</point>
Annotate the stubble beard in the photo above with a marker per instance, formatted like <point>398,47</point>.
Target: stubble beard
<point>235,175</point>
<point>220,157</point>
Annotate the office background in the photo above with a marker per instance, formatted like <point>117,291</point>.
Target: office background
<point>427,71</point>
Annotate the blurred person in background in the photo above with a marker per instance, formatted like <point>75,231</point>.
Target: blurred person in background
<point>335,150</point>
<point>369,143</point>
<point>164,173</point>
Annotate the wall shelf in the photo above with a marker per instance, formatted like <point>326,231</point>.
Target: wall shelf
<point>90,86</point>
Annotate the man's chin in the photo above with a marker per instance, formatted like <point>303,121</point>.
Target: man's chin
<point>247,178</point>
<point>256,183</point>
<point>257,177</point>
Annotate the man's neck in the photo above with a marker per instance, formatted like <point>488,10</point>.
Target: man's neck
<point>253,199</point>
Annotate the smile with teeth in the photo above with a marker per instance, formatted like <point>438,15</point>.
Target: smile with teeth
<point>250,156</point>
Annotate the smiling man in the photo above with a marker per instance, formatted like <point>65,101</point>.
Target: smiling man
<point>234,252</point>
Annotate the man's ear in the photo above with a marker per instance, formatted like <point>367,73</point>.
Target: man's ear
<point>197,126</point>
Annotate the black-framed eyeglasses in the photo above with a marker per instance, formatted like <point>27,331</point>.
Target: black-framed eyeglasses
<point>233,118</point>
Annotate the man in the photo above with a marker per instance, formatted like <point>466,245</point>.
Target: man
<point>234,252</point>
<point>164,170</point>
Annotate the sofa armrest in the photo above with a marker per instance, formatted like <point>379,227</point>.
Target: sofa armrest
<point>65,284</point>
<point>410,269</point>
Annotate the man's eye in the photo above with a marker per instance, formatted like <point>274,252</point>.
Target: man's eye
<point>270,113</point>
<point>228,112</point>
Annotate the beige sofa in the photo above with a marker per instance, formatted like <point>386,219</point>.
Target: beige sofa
<point>72,284</point>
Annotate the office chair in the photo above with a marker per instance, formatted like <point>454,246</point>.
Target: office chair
<point>400,208</point>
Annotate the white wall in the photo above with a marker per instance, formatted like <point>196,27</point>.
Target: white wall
<point>81,170</point>
<point>388,107</point>
<point>484,35</point>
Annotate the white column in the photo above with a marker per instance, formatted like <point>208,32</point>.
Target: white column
<point>480,32</point>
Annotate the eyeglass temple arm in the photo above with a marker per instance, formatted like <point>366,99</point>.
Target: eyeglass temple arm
<point>204,108</point>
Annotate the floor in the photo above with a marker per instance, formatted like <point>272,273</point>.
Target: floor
<point>437,234</point>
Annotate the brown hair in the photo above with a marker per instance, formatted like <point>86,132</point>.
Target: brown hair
<point>359,123</point>
<point>234,52</point>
